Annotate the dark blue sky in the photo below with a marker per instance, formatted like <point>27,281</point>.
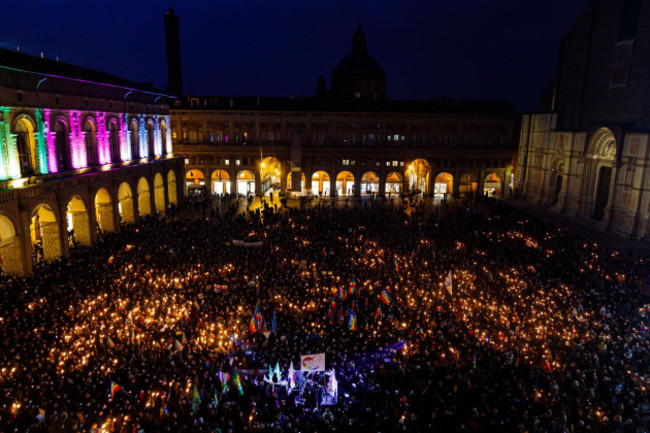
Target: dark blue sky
<point>465,49</point>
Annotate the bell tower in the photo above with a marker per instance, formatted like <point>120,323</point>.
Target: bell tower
<point>173,40</point>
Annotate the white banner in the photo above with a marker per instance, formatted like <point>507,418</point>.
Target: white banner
<point>315,362</point>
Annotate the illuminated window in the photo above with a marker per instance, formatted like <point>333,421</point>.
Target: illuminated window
<point>226,162</point>
<point>187,161</point>
<point>394,163</point>
<point>357,95</point>
<point>345,162</point>
<point>237,162</point>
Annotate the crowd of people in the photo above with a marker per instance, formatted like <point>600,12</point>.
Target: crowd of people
<point>471,318</point>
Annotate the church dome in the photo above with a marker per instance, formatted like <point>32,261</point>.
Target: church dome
<point>358,75</point>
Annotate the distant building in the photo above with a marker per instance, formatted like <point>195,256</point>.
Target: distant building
<point>80,151</point>
<point>586,153</point>
<point>350,140</point>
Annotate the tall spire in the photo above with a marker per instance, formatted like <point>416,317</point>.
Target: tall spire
<point>173,43</point>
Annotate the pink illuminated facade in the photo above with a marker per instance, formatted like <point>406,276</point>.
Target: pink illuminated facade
<point>81,153</point>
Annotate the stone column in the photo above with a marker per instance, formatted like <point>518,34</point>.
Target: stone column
<point>357,184</point>
<point>455,186</point>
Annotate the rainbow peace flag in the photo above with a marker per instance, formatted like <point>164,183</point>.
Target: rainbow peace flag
<point>353,287</point>
<point>385,297</point>
<point>114,389</point>
<point>352,321</point>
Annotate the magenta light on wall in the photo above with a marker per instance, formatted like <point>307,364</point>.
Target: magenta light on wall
<point>103,144</point>
<point>77,143</point>
<point>50,137</point>
<point>125,151</point>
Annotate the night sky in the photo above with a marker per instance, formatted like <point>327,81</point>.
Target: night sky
<point>464,49</point>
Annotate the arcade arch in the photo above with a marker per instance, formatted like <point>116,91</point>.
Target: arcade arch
<point>444,184</point>
<point>320,183</point>
<point>159,193</point>
<point>125,203</point>
<point>10,248</point>
<point>369,183</point>
<point>270,171</point>
<point>171,188</point>
<point>44,232</point>
<point>492,186</point>
<point>220,182</point>
<point>195,179</point>
<point>144,198</point>
<point>78,221</point>
<point>419,172</point>
<point>394,183</point>
<point>345,184</point>
<point>246,182</point>
<point>104,211</point>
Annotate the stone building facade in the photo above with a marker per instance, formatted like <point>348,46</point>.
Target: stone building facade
<point>80,151</point>
<point>249,151</point>
<point>586,153</point>
<point>348,141</point>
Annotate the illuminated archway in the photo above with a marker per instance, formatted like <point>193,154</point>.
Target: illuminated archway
<point>444,184</point>
<point>104,211</point>
<point>220,182</point>
<point>171,188</point>
<point>144,198</point>
<point>245,183</point>
<point>492,184</point>
<point>159,193</point>
<point>125,203</point>
<point>270,171</point>
<point>10,248</point>
<point>345,184</point>
<point>26,146</point>
<point>418,173</point>
<point>78,221</point>
<point>320,183</point>
<point>44,231</point>
<point>194,179</point>
<point>468,185</point>
<point>394,183</point>
<point>290,185</point>
<point>369,183</point>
